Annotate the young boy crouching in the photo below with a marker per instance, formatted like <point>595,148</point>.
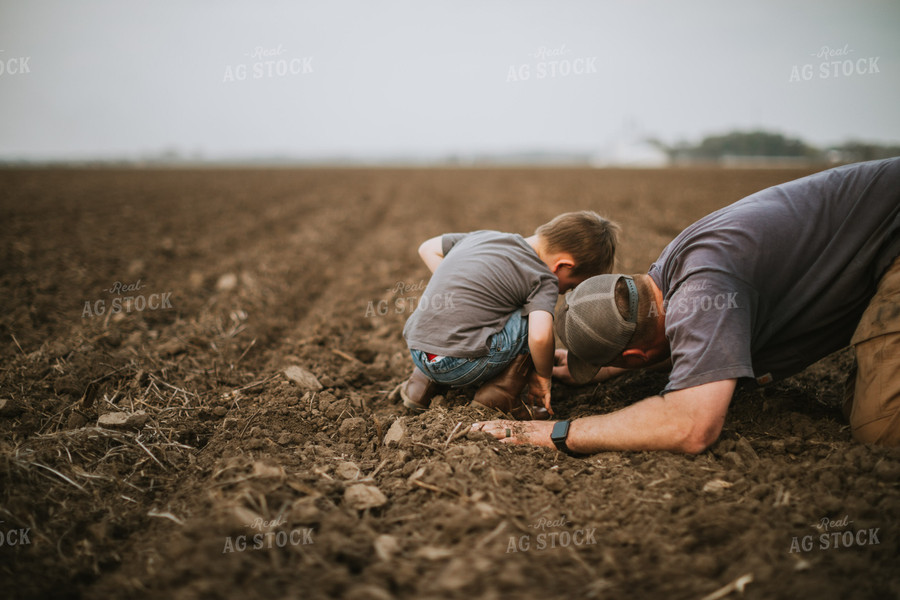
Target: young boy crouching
<point>487,313</point>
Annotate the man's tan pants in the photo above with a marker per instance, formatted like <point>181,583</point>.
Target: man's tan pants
<point>874,408</point>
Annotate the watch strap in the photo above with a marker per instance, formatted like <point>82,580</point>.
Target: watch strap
<point>559,438</point>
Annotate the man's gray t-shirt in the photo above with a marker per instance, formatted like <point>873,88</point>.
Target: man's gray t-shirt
<point>774,282</point>
<point>485,276</point>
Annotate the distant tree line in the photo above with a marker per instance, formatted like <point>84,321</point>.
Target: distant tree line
<point>758,144</point>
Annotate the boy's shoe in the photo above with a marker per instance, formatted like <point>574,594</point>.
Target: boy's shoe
<point>418,390</point>
<point>504,391</point>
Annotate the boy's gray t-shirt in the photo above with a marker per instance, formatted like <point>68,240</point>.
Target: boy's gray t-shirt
<point>774,282</point>
<point>485,277</point>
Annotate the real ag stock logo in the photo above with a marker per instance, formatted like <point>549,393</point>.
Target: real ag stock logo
<point>548,540</point>
<point>835,534</point>
<point>552,63</point>
<point>14,537</point>
<point>266,538</point>
<point>400,303</point>
<point>835,63</point>
<point>16,65</point>
<point>126,304</point>
<point>268,63</point>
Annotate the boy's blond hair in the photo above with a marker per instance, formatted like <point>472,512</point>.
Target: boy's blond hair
<point>588,237</point>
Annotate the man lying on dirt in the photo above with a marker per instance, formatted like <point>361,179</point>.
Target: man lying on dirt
<point>757,290</point>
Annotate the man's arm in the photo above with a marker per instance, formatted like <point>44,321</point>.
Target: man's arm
<point>432,252</point>
<point>688,420</point>
<point>541,344</point>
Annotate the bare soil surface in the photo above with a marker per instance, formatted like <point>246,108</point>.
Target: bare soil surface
<point>196,402</point>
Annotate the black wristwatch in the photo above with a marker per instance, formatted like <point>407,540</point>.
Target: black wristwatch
<point>559,435</point>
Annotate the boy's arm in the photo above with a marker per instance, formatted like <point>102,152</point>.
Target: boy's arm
<point>541,344</point>
<point>432,252</point>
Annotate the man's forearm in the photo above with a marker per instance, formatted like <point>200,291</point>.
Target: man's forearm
<point>646,425</point>
<point>687,420</point>
<point>682,421</point>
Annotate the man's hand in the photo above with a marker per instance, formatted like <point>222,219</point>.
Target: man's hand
<point>561,367</point>
<point>539,390</point>
<point>536,433</point>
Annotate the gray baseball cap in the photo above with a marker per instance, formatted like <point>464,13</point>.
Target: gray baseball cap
<point>591,327</point>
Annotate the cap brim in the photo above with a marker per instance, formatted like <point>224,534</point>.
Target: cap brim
<point>581,371</point>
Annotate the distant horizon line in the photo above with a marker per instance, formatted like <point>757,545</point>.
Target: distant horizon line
<point>729,161</point>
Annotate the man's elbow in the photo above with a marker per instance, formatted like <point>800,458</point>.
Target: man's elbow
<point>699,436</point>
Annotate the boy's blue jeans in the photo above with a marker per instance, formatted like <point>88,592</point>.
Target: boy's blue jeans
<point>505,345</point>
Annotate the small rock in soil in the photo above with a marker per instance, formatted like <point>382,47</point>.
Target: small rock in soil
<point>362,496</point>
<point>386,547</point>
<point>433,553</point>
<point>395,433</point>
<point>227,282</point>
<point>368,592</point>
<point>172,347</point>
<point>746,451</point>
<point>262,470</point>
<point>353,429</point>
<point>303,378</point>
<point>732,460</point>
<point>123,420</point>
<point>437,473</point>
<point>305,512</point>
<point>57,349</point>
<point>333,407</point>
<point>794,445</point>
<point>554,482</point>
<point>716,485</point>
<point>76,420</point>
<point>347,470</point>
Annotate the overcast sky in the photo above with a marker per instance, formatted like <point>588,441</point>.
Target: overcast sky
<point>111,78</point>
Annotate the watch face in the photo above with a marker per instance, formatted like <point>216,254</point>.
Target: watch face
<point>560,431</point>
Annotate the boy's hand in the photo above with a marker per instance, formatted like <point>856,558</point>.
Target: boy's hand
<point>539,390</point>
